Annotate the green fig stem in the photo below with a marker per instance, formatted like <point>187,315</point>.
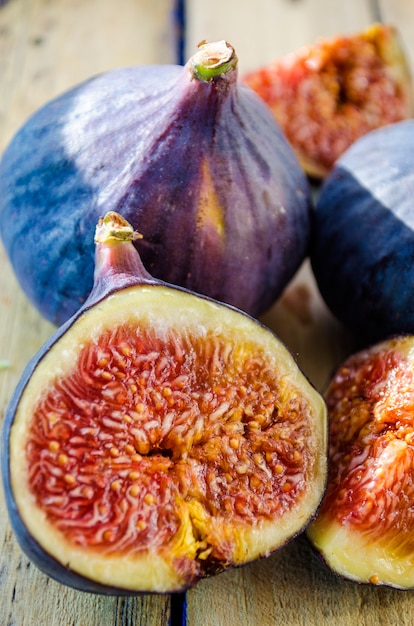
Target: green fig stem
<point>212,60</point>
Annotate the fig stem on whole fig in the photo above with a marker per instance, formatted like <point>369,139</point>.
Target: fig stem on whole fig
<point>213,59</point>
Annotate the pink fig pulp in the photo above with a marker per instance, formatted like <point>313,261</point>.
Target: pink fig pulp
<point>159,437</point>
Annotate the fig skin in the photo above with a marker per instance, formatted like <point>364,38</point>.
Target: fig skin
<point>364,527</point>
<point>124,291</point>
<point>188,155</point>
<point>362,249</point>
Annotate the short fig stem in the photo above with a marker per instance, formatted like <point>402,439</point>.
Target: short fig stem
<point>212,60</point>
<point>113,227</point>
<point>117,261</point>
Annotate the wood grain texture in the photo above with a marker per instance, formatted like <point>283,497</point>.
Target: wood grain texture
<point>45,48</point>
<point>48,46</point>
<point>263,30</point>
<point>293,587</point>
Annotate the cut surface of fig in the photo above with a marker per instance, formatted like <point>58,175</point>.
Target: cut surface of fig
<point>328,94</point>
<point>160,437</point>
<point>364,528</point>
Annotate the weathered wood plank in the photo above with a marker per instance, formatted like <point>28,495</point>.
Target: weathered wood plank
<point>45,48</point>
<point>292,587</point>
<point>263,30</point>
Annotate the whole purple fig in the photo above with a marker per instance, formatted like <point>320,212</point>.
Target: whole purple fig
<point>186,154</point>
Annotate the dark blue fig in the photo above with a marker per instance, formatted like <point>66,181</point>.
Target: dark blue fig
<point>187,155</point>
<point>363,238</point>
<point>158,437</point>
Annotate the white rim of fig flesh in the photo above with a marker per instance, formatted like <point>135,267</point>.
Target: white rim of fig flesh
<point>161,309</point>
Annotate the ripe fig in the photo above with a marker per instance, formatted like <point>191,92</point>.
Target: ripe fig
<point>362,248</point>
<point>159,436</point>
<point>365,527</point>
<point>328,94</point>
<point>188,155</point>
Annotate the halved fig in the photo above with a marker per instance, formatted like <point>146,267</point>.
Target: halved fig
<point>159,436</point>
<point>327,95</point>
<point>365,527</point>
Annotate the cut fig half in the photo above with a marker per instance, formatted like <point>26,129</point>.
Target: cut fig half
<point>328,94</point>
<point>364,529</point>
<point>159,437</point>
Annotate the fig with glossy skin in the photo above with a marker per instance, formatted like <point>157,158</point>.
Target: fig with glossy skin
<point>365,527</point>
<point>362,249</point>
<point>328,94</point>
<point>159,436</point>
<point>187,155</point>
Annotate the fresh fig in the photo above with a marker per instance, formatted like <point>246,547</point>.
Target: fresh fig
<point>362,249</point>
<point>328,94</point>
<point>159,436</point>
<point>365,526</point>
<point>187,155</point>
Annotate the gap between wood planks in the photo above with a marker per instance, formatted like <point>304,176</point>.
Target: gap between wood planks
<point>178,609</point>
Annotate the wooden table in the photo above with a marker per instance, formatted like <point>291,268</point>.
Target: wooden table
<point>46,47</point>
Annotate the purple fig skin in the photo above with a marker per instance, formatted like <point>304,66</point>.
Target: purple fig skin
<point>199,166</point>
<point>107,280</point>
<point>114,271</point>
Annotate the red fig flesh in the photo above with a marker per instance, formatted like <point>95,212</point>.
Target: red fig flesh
<point>328,94</point>
<point>364,529</point>
<point>159,436</point>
